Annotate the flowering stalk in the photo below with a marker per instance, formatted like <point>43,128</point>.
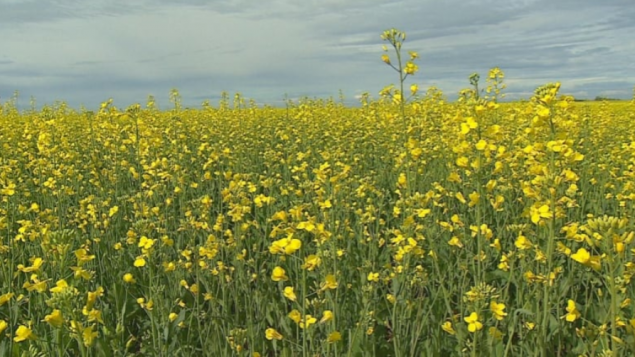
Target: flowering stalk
<point>396,38</point>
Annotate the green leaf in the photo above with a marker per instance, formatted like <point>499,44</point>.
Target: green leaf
<point>523,312</point>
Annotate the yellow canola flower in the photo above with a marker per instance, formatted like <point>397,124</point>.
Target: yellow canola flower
<point>307,226</point>
<point>8,190</point>
<point>473,323</point>
<point>582,256</point>
<point>4,298</point>
<point>543,112</point>
<point>272,334</point>
<point>391,298</point>
<point>456,242</point>
<point>39,286</point>
<point>129,278</point>
<point>168,267</point>
<point>295,316</point>
<point>401,180</point>
<point>142,302</point>
<point>498,310</point>
<point>37,263</point>
<point>93,315</point>
<point>307,322</point>
<point>330,282</point>
<point>538,213</point>
<point>113,211</point>
<point>81,273</point>
<point>447,327</point>
<point>334,336</point>
<point>523,243</point>
<point>3,326</point>
<point>88,336</point>
<point>572,311</point>
<point>60,286</point>
<point>327,315</point>
<point>139,262</point>
<point>280,216</point>
<point>496,245</point>
<point>289,293</point>
<point>311,262</point>
<point>288,245</point>
<point>504,263</point>
<point>55,318</point>
<point>474,199</point>
<point>23,333</point>
<point>83,256</point>
<point>396,98</point>
<point>279,274</point>
<point>411,68</point>
<point>470,123</point>
<point>326,204</point>
<point>194,288</point>
<point>146,243</point>
<point>93,295</point>
<point>481,145</point>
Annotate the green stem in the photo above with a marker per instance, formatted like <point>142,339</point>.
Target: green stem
<point>305,350</point>
<point>613,292</point>
<point>550,249</point>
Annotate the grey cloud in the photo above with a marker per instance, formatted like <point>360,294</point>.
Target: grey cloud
<point>217,51</point>
<point>25,12</point>
<point>93,63</point>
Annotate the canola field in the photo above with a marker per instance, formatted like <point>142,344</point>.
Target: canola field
<point>467,228</point>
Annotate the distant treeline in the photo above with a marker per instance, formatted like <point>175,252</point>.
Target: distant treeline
<point>599,99</point>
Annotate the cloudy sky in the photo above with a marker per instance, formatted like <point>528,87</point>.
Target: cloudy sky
<point>86,51</point>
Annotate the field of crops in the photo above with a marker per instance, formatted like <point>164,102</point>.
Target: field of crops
<point>319,230</point>
<point>404,227</point>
